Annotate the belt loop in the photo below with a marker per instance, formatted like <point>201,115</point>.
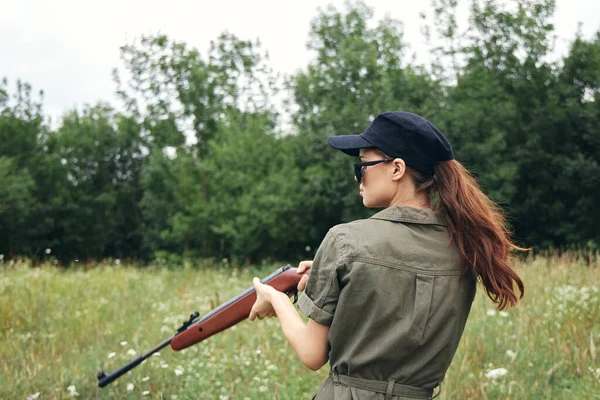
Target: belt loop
<point>335,378</point>
<point>438,393</point>
<point>389,390</point>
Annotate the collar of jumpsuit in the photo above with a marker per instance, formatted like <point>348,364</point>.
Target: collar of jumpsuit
<point>425,216</point>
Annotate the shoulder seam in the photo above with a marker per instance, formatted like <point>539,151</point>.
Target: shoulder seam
<point>424,221</point>
<point>402,266</point>
<point>337,244</point>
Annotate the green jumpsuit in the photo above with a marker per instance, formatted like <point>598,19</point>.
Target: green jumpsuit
<point>392,291</point>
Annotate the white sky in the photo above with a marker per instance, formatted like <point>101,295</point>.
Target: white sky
<point>68,48</point>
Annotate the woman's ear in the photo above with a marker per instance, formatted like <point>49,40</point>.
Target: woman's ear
<point>399,169</point>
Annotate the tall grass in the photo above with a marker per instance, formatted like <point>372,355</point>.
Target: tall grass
<point>59,328</point>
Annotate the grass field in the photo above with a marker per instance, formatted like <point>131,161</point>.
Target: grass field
<point>60,327</point>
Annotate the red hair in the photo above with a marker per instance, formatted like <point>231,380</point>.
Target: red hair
<point>477,227</point>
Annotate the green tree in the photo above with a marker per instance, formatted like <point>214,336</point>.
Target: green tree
<point>93,160</point>
<point>253,195</point>
<point>176,93</point>
<point>185,95</point>
<point>172,201</point>
<point>558,187</point>
<point>21,123</point>
<point>15,204</point>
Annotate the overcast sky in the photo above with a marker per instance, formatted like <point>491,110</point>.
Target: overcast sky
<point>68,48</point>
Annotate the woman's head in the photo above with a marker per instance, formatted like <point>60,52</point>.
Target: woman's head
<point>401,135</point>
<point>407,143</point>
<point>406,160</point>
<point>385,181</point>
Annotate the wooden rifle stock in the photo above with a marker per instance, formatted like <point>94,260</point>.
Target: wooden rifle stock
<point>285,280</point>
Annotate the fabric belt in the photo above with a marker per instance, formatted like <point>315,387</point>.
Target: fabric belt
<point>390,388</point>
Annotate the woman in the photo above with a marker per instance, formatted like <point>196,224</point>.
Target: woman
<point>388,297</point>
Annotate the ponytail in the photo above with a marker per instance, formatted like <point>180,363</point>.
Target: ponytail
<point>477,227</point>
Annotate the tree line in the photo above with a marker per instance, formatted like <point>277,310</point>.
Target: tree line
<point>217,156</point>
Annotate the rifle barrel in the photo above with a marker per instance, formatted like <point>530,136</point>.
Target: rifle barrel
<point>104,379</point>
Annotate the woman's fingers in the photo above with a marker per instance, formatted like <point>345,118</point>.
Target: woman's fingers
<point>302,283</point>
<point>252,314</point>
<point>303,266</point>
<point>262,308</point>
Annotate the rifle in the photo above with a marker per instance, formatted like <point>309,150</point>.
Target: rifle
<point>284,279</point>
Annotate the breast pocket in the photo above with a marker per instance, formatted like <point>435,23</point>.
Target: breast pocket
<point>422,305</point>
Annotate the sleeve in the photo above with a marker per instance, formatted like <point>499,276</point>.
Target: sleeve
<point>320,297</point>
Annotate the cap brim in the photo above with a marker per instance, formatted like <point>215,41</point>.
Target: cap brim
<point>349,144</point>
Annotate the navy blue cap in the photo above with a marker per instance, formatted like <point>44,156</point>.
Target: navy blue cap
<point>403,135</point>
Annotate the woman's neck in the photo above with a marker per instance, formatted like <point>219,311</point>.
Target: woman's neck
<point>414,203</point>
<point>411,199</point>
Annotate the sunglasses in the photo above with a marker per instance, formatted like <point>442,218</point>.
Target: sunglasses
<point>359,166</point>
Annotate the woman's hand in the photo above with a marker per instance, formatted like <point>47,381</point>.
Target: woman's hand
<point>302,267</point>
<point>262,308</point>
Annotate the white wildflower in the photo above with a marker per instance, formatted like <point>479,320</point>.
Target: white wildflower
<point>496,373</point>
<point>503,314</point>
<point>130,387</point>
<point>491,312</point>
<point>117,261</point>
<point>112,354</point>
<point>307,248</point>
<point>157,354</point>
<point>146,393</point>
<point>48,251</point>
<point>262,389</point>
<point>123,343</point>
<point>511,354</point>
<point>131,352</point>
<point>72,391</point>
<point>36,394</point>
<point>1,256</point>
<point>595,372</point>
<point>223,397</point>
<point>164,365</point>
<point>145,379</point>
<point>179,371</point>
<point>258,352</point>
